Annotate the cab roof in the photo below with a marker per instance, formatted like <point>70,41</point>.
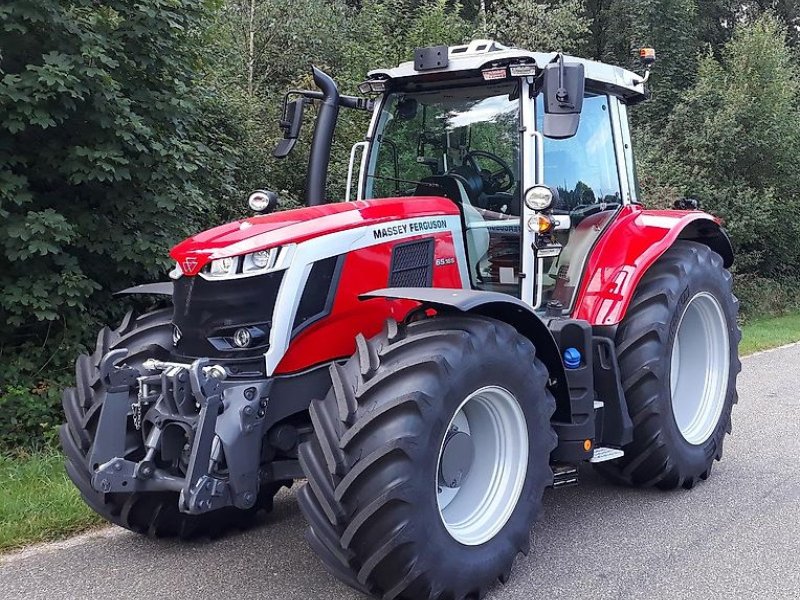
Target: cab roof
<point>467,62</point>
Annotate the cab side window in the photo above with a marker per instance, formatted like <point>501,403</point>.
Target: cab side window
<point>584,168</point>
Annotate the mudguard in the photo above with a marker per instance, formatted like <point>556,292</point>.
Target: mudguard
<point>496,306</point>
<point>626,250</point>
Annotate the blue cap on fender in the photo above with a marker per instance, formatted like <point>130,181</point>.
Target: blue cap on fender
<point>572,358</point>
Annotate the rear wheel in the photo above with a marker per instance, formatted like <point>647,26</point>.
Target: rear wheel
<point>429,459</point>
<point>153,513</point>
<point>677,349</point>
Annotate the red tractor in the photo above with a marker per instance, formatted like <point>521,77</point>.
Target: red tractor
<point>492,308</point>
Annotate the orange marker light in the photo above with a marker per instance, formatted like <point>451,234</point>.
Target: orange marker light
<point>587,445</point>
<point>541,224</point>
<point>647,55</point>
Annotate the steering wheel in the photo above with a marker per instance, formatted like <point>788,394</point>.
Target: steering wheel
<point>501,180</point>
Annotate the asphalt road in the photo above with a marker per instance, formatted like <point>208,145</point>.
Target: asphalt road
<point>734,536</point>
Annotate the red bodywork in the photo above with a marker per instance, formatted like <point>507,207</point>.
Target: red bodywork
<point>633,241</point>
<point>294,226</point>
<point>364,271</point>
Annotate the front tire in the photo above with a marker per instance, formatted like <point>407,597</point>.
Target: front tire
<point>394,504</point>
<point>677,351</point>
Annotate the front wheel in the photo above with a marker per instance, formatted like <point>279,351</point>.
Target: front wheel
<point>677,350</point>
<point>429,459</point>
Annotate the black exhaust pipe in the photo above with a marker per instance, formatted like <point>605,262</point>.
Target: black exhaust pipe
<point>317,176</point>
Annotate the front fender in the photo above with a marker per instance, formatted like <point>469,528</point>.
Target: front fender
<point>496,306</point>
<point>626,250</point>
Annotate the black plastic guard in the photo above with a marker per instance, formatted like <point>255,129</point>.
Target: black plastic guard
<point>162,288</point>
<point>496,306</point>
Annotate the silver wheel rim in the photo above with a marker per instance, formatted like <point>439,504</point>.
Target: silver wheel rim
<point>699,368</point>
<point>478,508</point>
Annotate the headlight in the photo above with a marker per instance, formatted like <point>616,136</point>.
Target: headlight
<point>223,267</point>
<point>539,197</point>
<point>260,261</point>
<point>255,263</point>
<point>263,201</point>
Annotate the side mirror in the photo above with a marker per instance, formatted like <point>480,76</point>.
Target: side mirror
<point>686,204</point>
<point>406,109</point>
<point>263,201</point>
<point>563,89</point>
<point>290,124</point>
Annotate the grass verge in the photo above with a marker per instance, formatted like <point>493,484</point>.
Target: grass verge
<point>763,334</point>
<point>38,502</point>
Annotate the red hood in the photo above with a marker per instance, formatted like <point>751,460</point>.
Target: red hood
<point>293,226</point>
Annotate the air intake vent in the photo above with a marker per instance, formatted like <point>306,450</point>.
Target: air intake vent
<point>412,264</point>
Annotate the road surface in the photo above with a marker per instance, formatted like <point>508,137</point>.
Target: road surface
<point>734,536</point>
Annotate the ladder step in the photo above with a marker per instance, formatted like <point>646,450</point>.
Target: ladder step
<point>602,454</point>
<point>564,475</point>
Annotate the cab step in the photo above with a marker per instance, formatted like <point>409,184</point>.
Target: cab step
<point>602,454</point>
<point>564,475</point>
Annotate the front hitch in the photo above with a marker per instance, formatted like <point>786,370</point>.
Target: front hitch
<point>186,409</point>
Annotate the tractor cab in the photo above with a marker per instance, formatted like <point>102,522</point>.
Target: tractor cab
<point>484,126</point>
<point>533,148</point>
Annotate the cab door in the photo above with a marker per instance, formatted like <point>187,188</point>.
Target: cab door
<point>591,182</point>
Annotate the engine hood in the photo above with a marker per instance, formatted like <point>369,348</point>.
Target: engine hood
<point>295,226</point>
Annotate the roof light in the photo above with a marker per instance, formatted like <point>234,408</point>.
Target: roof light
<point>647,56</point>
<point>494,74</point>
<point>373,86</point>
<point>522,70</point>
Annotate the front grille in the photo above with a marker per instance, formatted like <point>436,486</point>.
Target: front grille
<point>207,312</point>
<point>412,264</point>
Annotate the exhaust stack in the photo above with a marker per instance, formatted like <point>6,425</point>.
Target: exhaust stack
<point>320,157</point>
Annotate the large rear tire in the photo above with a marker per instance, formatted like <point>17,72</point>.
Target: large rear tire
<point>429,459</point>
<point>155,514</point>
<point>677,350</point>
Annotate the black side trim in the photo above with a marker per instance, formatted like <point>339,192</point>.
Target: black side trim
<point>162,288</point>
<point>320,291</point>
<point>496,306</point>
<point>614,426</point>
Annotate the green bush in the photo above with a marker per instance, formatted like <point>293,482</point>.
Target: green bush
<point>762,297</point>
<point>125,126</point>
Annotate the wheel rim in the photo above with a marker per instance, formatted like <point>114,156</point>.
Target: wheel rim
<point>479,505</point>
<point>699,368</point>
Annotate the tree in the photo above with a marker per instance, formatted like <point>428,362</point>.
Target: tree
<point>538,25</point>
<point>111,149</point>
<point>734,141</point>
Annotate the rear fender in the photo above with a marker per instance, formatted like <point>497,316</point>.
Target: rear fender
<point>627,249</point>
<point>496,306</point>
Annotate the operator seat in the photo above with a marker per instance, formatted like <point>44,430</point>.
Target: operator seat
<point>454,186</point>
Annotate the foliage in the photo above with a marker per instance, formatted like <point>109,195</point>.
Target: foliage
<point>100,108</point>
<point>545,26</point>
<point>126,126</point>
<point>734,142</point>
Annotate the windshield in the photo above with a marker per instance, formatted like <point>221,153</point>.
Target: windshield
<point>472,132</point>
